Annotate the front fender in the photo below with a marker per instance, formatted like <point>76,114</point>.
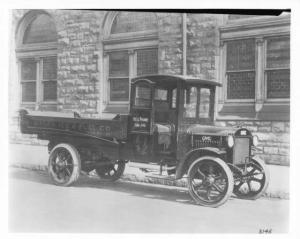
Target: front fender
<point>194,154</point>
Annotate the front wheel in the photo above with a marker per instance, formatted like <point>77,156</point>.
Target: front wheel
<point>210,181</point>
<point>252,182</point>
<point>64,164</point>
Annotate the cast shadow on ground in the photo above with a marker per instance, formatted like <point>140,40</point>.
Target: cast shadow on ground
<point>145,190</point>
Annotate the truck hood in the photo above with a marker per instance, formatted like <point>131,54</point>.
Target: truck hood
<point>210,130</point>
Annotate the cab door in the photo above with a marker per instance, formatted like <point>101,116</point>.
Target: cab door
<point>141,120</point>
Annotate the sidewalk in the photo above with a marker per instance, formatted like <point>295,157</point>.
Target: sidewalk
<point>36,158</point>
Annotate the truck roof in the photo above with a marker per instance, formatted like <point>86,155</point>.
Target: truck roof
<point>164,78</point>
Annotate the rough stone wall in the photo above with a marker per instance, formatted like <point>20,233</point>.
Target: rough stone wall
<point>170,43</point>
<point>274,139</point>
<point>203,45</point>
<point>78,75</point>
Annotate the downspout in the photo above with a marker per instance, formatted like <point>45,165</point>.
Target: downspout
<point>184,41</point>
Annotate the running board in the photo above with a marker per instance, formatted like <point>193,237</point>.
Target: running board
<point>164,177</point>
<point>150,166</point>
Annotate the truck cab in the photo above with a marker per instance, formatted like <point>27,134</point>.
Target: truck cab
<point>162,107</point>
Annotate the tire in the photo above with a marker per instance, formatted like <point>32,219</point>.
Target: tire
<point>64,164</point>
<point>111,172</point>
<point>257,172</point>
<point>210,181</point>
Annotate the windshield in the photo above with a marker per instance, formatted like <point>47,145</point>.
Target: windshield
<point>197,103</point>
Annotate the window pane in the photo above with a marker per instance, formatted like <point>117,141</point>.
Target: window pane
<point>278,52</point>
<point>50,68</point>
<point>119,89</point>
<point>174,97</point>
<point>241,85</point>
<point>28,70</point>
<point>118,64</point>
<point>147,61</point>
<point>134,22</point>
<point>142,96</point>
<point>241,55</point>
<point>50,90</point>
<point>204,106</point>
<point>190,103</point>
<point>161,94</point>
<point>278,84</point>
<point>28,92</point>
<point>41,29</point>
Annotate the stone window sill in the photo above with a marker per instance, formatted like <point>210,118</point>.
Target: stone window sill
<point>278,111</point>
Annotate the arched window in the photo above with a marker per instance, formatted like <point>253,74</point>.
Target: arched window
<point>130,49</point>
<point>37,58</point>
<point>134,22</point>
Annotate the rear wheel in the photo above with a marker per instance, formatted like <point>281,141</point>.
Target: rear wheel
<point>111,172</point>
<point>64,164</point>
<point>210,181</point>
<point>253,181</point>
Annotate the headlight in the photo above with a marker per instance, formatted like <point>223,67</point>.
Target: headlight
<point>230,141</point>
<point>255,140</point>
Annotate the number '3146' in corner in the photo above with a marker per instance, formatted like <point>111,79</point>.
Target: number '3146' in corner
<point>265,231</point>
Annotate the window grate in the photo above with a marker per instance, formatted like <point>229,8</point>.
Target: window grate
<point>147,61</point>
<point>278,52</point>
<point>278,64</point>
<point>50,90</point>
<point>119,89</point>
<point>28,91</point>
<point>119,64</point>
<point>278,84</point>
<point>240,66</point>
<point>241,85</point>
<point>241,55</point>
<point>50,68</point>
<point>28,70</point>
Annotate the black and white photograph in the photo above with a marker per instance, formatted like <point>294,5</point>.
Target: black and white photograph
<point>149,120</point>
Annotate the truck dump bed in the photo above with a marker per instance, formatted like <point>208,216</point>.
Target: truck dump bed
<point>50,123</point>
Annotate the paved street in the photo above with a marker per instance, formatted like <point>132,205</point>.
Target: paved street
<point>35,205</point>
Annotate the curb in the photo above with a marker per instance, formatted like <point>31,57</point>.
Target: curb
<point>158,181</point>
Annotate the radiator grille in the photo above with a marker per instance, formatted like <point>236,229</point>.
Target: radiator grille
<point>241,150</point>
<point>200,141</point>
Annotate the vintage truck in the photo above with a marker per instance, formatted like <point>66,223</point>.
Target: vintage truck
<point>170,130</point>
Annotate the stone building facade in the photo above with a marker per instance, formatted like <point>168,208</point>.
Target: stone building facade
<point>83,60</point>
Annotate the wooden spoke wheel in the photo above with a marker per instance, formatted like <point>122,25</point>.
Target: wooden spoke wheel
<point>111,172</point>
<point>252,181</point>
<point>210,181</point>
<point>64,164</point>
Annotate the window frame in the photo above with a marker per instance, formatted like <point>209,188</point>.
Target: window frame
<point>238,71</point>
<point>266,69</point>
<point>259,28</point>
<point>130,42</point>
<point>36,51</point>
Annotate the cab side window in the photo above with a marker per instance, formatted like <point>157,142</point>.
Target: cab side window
<point>204,106</point>
<point>190,102</point>
<point>142,96</point>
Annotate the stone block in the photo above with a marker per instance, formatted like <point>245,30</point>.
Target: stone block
<point>252,128</point>
<point>271,150</point>
<point>264,129</point>
<point>278,127</point>
<point>284,151</point>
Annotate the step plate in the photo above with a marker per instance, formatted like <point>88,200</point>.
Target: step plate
<point>165,177</point>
